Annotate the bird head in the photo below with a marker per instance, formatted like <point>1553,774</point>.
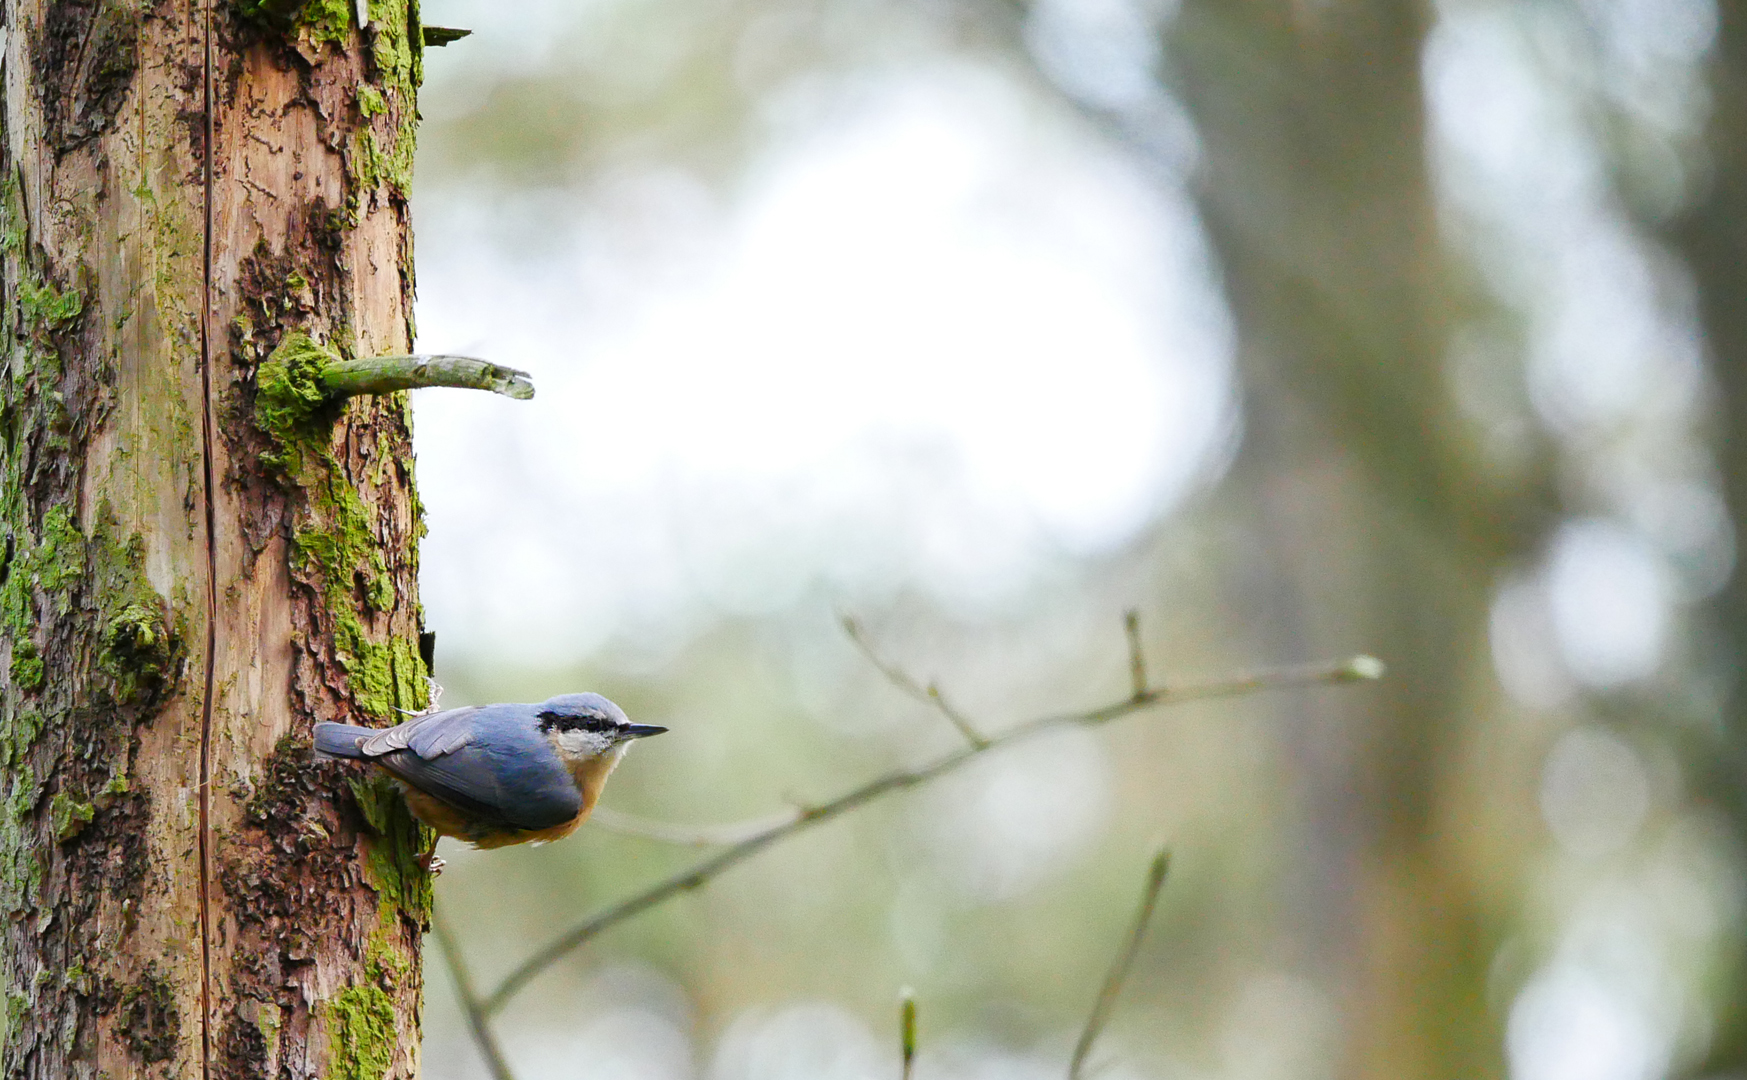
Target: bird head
<point>585,727</point>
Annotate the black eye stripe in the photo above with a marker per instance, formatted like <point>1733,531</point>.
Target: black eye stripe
<point>550,721</point>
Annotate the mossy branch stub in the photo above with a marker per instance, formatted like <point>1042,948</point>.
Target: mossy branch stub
<point>288,394</point>
<point>386,374</point>
<point>302,380</point>
<point>438,36</point>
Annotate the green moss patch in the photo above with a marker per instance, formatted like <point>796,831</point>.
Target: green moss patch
<point>28,672</point>
<point>17,737</point>
<point>320,22</point>
<point>45,306</point>
<point>69,816</point>
<point>144,643</point>
<point>370,101</point>
<point>290,405</point>
<point>142,652</point>
<point>361,1019</point>
<point>380,154</point>
<point>326,22</point>
<point>397,839</point>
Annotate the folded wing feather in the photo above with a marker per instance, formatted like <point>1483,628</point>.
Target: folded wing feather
<point>429,737</point>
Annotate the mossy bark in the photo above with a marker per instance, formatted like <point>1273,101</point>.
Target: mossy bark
<point>186,583</point>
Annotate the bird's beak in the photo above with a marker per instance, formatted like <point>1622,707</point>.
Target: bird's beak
<point>640,731</point>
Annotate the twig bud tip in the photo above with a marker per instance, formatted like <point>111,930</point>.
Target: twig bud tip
<point>1365,668</point>
<point>907,1028</point>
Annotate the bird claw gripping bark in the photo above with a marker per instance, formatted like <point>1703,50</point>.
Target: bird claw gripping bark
<point>433,695</point>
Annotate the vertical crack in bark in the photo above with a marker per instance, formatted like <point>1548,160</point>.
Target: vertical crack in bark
<point>206,437</point>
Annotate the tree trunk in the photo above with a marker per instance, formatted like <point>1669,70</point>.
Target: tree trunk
<point>1316,191</point>
<point>1713,237</point>
<point>202,554</point>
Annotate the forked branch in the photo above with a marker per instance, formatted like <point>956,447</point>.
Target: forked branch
<point>929,695</point>
<point>1350,670</point>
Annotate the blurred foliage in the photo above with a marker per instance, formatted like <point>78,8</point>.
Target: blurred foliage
<point>1418,879</point>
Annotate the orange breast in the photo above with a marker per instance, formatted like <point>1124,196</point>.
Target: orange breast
<point>525,836</point>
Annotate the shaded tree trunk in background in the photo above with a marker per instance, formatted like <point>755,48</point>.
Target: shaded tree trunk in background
<point>1713,238</point>
<point>200,558</point>
<point>1314,186</point>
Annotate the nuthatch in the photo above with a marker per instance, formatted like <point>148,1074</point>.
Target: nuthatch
<point>497,774</point>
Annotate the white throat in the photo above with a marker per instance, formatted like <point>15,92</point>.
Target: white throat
<point>578,746</point>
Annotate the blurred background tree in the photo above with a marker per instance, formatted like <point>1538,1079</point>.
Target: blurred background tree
<point>1308,328</point>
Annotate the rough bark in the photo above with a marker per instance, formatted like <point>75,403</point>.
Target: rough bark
<point>202,555</point>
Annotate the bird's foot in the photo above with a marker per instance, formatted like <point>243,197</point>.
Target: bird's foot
<point>430,864</point>
<point>433,695</point>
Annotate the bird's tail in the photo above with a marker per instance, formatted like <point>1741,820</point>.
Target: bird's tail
<point>339,740</point>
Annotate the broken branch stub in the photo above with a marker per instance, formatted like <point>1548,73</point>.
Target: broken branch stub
<point>386,374</point>
<point>438,36</point>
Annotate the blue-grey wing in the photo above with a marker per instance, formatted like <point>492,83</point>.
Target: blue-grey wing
<point>427,736</point>
<point>500,770</point>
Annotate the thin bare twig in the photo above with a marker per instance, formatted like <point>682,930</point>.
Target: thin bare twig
<point>688,835</point>
<point>928,695</point>
<point>478,1020</point>
<point>1352,670</point>
<point>1136,658</point>
<point>907,1029</point>
<point>1155,881</point>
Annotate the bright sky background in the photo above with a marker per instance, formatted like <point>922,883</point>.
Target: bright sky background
<point>941,337</point>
